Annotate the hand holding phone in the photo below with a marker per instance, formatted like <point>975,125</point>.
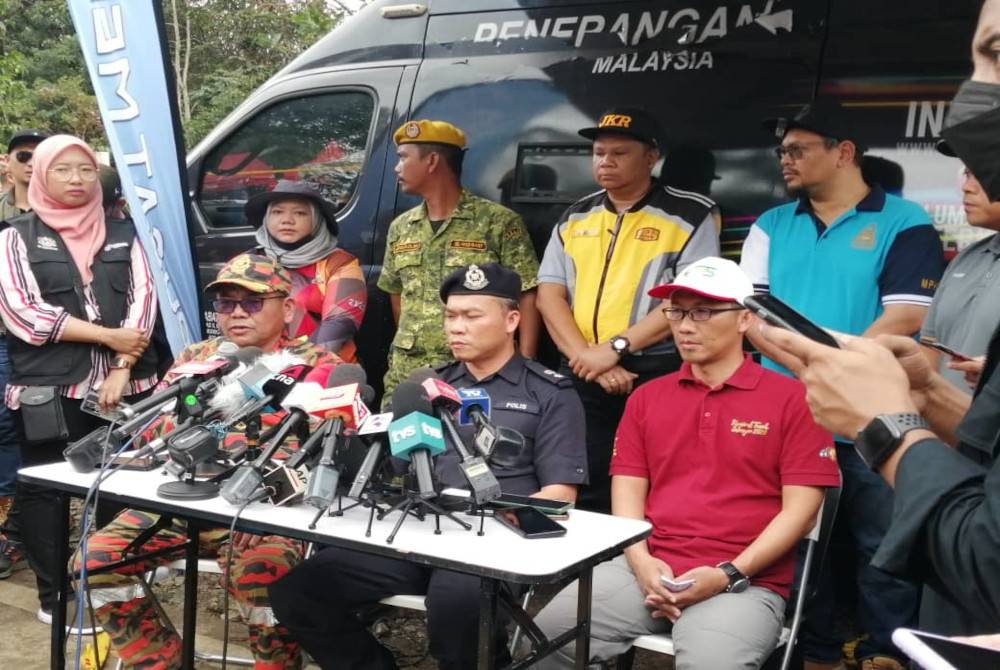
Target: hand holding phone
<point>676,585</point>
<point>777,313</point>
<point>944,349</point>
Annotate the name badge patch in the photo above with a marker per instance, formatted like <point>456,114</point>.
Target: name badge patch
<point>406,247</point>
<point>470,245</point>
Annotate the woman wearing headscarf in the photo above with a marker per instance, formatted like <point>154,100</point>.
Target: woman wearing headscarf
<point>79,306</point>
<point>297,227</point>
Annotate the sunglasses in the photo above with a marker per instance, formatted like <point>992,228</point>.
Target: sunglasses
<point>23,156</point>
<point>248,305</point>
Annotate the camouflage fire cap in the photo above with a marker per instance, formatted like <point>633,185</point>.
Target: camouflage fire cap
<point>255,273</point>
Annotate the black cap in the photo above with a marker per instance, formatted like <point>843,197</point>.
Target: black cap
<point>283,190</point>
<point>26,136</point>
<point>945,149</point>
<point>634,122</point>
<point>823,116</point>
<point>486,279</point>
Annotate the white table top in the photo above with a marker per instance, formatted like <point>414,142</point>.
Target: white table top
<point>500,553</point>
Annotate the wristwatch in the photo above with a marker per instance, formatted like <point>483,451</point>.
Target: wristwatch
<point>121,363</point>
<point>619,345</point>
<point>883,435</point>
<point>738,582</point>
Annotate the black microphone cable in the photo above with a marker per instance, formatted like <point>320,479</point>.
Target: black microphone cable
<point>226,571</point>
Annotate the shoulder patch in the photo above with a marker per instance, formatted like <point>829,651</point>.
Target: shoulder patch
<point>551,376</point>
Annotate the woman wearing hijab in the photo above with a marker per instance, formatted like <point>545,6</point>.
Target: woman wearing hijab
<point>297,227</point>
<point>79,306</point>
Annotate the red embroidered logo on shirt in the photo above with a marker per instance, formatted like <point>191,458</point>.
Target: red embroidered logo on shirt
<point>745,428</point>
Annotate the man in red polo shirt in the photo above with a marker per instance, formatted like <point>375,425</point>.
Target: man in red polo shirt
<point>724,459</point>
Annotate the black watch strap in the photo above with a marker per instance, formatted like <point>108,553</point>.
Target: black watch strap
<point>882,436</point>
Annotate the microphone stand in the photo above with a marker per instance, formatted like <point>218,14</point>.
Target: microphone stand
<point>412,502</point>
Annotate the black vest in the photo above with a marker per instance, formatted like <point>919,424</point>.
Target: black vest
<point>65,363</point>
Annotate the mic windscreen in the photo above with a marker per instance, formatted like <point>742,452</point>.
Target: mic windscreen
<point>245,355</point>
<point>346,373</point>
<point>227,347</point>
<point>418,375</point>
<point>280,360</point>
<point>410,397</point>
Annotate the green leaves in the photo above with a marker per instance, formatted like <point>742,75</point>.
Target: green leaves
<point>220,51</point>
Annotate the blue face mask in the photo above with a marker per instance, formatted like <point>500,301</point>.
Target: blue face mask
<point>972,130</point>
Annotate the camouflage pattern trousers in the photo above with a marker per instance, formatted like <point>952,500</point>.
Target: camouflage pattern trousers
<point>138,633</point>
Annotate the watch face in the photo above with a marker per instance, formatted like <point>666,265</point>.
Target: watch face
<point>619,344</point>
<point>740,585</point>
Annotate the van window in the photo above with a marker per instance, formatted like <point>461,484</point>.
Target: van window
<point>552,172</point>
<point>319,139</point>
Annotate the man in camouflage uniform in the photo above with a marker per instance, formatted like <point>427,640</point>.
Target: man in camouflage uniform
<point>451,229</point>
<point>253,309</point>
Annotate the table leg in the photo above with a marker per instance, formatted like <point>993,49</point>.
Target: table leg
<point>583,599</point>
<point>190,595</point>
<point>488,589</point>
<point>58,640</point>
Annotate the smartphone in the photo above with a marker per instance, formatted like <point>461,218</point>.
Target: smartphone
<point>545,505</point>
<point>676,585</point>
<point>530,523</point>
<point>777,313</point>
<point>944,349</point>
<point>933,652</point>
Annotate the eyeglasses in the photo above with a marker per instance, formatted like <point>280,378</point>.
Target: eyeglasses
<point>64,173</point>
<point>248,305</point>
<point>795,151</point>
<point>698,313</point>
<point>23,156</point>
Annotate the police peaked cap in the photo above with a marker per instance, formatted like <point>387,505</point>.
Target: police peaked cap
<point>485,279</point>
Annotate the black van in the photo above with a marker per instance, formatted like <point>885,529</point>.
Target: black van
<point>521,76</point>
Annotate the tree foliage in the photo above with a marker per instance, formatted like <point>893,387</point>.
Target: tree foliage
<point>220,51</point>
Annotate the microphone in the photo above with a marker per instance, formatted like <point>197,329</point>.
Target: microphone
<point>325,477</point>
<point>475,408</point>
<point>445,399</point>
<point>376,426</point>
<point>416,435</point>
<point>187,377</point>
<point>247,478</point>
<point>329,404</point>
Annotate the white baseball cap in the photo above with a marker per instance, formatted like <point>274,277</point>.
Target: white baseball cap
<point>713,278</point>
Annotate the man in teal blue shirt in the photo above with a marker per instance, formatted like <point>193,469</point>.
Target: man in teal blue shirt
<point>857,260</point>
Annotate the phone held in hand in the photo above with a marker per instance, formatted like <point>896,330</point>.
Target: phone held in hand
<point>944,349</point>
<point>777,313</point>
<point>529,523</point>
<point>676,585</point>
<point>934,652</point>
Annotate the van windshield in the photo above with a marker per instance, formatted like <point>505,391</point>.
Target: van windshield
<point>321,139</point>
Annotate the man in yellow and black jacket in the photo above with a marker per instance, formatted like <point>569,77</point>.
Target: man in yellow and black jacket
<point>606,252</point>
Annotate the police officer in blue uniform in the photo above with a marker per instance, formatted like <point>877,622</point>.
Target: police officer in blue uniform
<point>319,598</point>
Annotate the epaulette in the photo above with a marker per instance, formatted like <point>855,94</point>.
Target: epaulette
<point>551,376</point>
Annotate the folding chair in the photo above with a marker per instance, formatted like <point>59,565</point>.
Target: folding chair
<point>816,544</point>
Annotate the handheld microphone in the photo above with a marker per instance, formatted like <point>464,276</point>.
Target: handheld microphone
<point>324,478</point>
<point>416,435</point>
<point>475,408</point>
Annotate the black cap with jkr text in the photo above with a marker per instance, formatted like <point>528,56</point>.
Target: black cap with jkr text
<point>633,122</point>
